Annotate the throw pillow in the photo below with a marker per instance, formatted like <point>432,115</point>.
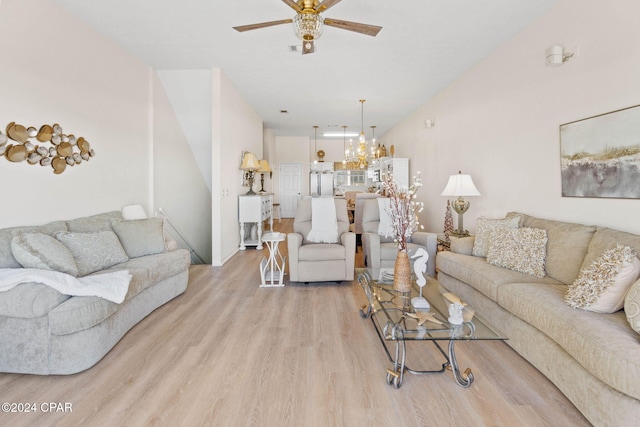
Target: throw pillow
<point>461,245</point>
<point>484,228</point>
<point>93,251</point>
<point>632,306</point>
<point>602,286</point>
<point>38,250</point>
<point>140,237</point>
<point>520,249</point>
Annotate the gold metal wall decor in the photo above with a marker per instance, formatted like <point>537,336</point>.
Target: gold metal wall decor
<point>51,147</point>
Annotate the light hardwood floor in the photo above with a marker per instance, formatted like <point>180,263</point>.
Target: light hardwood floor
<point>229,353</point>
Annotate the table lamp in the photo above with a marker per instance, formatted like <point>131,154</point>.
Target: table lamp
<point>264,168</point>
<point>250,164</point>
<point>460,186</point>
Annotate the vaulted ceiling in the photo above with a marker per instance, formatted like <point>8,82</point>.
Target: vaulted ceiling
<point>423,46</point>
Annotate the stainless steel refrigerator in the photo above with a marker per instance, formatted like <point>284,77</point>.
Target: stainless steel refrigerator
<point>321,183</point>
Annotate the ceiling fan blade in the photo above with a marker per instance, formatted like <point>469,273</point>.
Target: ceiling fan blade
<point>326,4</point>
<point>370,30</point>
<point>293,5</point>
<point>308,47</point>
<point>242,28</point>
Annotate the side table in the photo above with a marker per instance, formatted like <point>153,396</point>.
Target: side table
<point>444,244</point>
<point>272,269</point>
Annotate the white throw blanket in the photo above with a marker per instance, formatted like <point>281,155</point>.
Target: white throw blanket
<point>324,221</point>
<point>386,227</point>
<point>111,286</point>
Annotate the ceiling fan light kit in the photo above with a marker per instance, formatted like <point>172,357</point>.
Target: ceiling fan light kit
<point>308,24</point>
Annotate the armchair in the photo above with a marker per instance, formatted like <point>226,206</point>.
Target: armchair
<point>356,227</point>
<point>320,262</point>
<point>380,251</point>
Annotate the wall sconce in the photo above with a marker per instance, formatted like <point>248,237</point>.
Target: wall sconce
<point>264,168</point>
<point>556,55</point>
<point>49,146</point>
<point>249,165</point>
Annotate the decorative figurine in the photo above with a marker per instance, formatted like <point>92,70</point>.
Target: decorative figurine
<point>455,313</point>
<point>419,268</point>
<point>448,221</point>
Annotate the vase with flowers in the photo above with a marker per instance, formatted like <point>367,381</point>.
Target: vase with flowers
<point>403,213</point>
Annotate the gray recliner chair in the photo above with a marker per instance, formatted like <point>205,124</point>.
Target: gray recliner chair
<point>380,251</point>
<point>321,262</point>
<point>356,227</point>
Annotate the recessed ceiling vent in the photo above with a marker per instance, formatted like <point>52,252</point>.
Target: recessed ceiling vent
<point>294,49</point>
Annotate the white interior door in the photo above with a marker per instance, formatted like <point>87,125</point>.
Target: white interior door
<point>290,186</point>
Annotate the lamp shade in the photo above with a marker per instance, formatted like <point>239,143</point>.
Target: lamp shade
<point>250,162</point>
<point>460,186</point>
<point>264,166</point>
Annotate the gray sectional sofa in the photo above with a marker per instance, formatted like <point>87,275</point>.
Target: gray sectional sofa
<point>46,332</point>
<point>593,358</point>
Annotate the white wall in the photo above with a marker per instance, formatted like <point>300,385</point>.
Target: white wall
<point>500,121</point>
<point>332,148</point>
<point>54,69</point>
<point>293,149</point>
<point>236,127</point>
<point>269,153</point>
<point>179,187</point>
<point>189,92</point>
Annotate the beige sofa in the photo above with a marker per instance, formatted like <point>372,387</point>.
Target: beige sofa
<point>46,332</point>
<point>593,358</point>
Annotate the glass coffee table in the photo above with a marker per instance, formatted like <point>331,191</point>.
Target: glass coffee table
<point>396,321</point>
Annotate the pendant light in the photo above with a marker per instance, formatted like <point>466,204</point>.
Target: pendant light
<point>373,142</point>
<point>362,143</point>
<point>344,144</point>
<point>315,145</point>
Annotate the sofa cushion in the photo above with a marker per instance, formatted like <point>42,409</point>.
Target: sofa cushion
<point>603,344</point>
<point>93,251</point>
<point>7,260</point>
<point>566,246</point>
<point>322,252</point>
<point>159,266</point>
<point>94,223</point>
<point>38,250</point>
<point>632,306</point>
<point>481,275</point>
<point>607,238</point>
<point>484,228</point>
<point>461,245</point>
<point>29,300</point>
<point>602,286</point>
<point>80,313</point>
<point>140,237</point>
<point>519,249</point>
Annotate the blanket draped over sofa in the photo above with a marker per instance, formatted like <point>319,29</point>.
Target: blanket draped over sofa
<point>45,331</point>
<point>593,358</point>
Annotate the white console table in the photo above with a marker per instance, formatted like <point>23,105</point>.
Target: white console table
<point>254,209</point>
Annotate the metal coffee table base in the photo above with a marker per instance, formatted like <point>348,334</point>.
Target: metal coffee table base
<point>396,374</point>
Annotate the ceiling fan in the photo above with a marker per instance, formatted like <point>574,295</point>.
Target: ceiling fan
<point>307,24</point>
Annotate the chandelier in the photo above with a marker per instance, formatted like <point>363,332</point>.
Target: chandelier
<point>308,27</point>
<point>359,158</point>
